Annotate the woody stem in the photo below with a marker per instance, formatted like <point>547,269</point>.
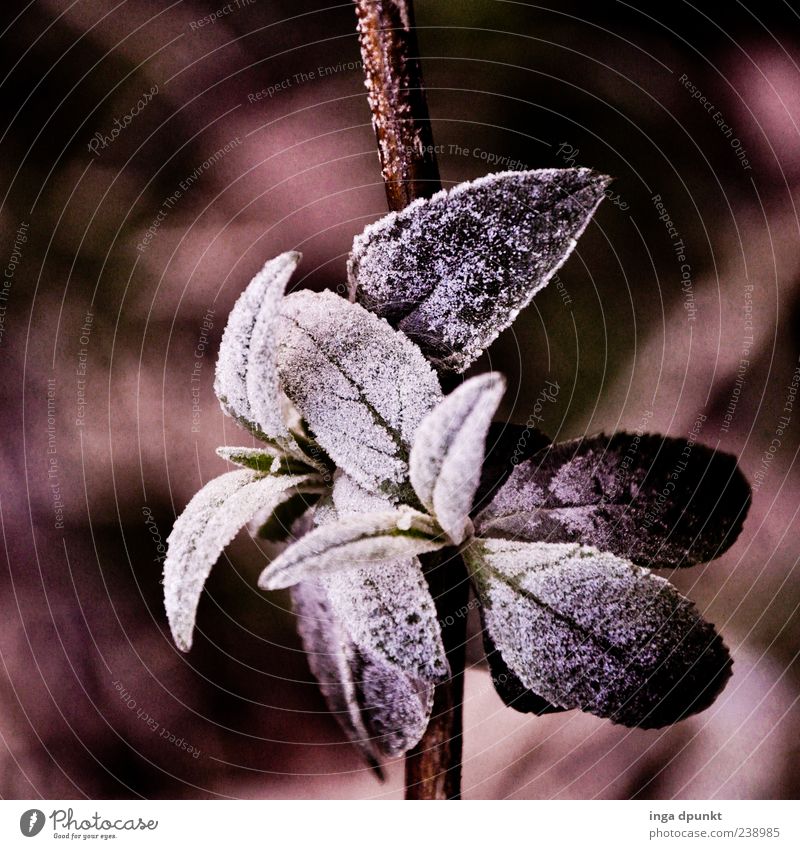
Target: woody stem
<point>408,164</point>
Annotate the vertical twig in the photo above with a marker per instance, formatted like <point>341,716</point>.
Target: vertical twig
<point>408,163</point>
<point>397,99</point>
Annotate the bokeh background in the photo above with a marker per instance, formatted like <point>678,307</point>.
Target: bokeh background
<point>94,699</point>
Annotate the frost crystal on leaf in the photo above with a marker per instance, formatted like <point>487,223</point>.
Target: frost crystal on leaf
<point>454,270</point>
<point>331,658</point>
<point>388,611</point>
<point>361,386</point>
<point>655,500</point>
<point>246,379</point>
<point>365,540</point>
<point>383,647</point>
<point>585,629</point>
<point>210,521</point>
<point>448,452</point>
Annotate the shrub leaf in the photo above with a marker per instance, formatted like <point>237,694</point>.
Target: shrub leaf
<point>454,270</point>
<point>355,541</point>
<point>362,387</point>
<point>448,452</point>
<point>381,640</point>
<point>246,380</point>
<point>658,501</point>
<point>208,523</point>
<point>585,629</point>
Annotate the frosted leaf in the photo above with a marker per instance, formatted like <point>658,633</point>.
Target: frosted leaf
<point>331,658</point>
<point>655,500</point>
<point>362,387</point>
<point>383,711</point>
<point>585,629</point>
<point>246,379</point>
<point>388,611</point>
<point>365,541</point>
<point>376,642</point>
<point>454,270</point>
<point>448,452</point>
<point>208,523</point>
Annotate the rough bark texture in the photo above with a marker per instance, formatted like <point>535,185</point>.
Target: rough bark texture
<point>397,99</point>
<point>408,164</point>
<point>433,767</point>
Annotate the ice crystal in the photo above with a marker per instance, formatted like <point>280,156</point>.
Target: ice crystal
<point>454,270</point>
<point>586,629</point>
<point>361,386</point>
<point>448,452</point>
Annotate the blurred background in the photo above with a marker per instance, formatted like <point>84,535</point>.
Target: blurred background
<point>154,157</point>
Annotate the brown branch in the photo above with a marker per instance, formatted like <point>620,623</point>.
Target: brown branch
<point>408,163</point>
<point>397,99</point>
<point>433,767</point>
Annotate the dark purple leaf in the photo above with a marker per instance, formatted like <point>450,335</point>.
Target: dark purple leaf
<point>658,501</point>
<point>585,629</point>
<point>453,271</point>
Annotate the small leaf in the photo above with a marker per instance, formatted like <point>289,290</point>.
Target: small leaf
<point>246,379</point>
<point>267,460</point>
<point>382,646</point>
<point>585,629</point>
<point>657,501</point>
<point>448,452</point>
<point>362,387</point>
<point>388,612</point>
<point>366,540</point>
<point>330,655</point>
<point>382,710</point>
<point>209,522</point>
<point>454,270</point>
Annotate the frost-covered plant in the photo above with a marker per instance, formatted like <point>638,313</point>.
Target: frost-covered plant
<point>365,465</point>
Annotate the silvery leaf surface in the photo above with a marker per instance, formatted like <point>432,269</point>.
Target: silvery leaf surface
<point>246,381</point>
<point>454,270</point>
<point>585,629</point>
<point>365,541</point>
<point>448,452</point>
<point>658,501</point>
<point>381,646</point>
<point>208,523</point>
<point>362,387</point>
